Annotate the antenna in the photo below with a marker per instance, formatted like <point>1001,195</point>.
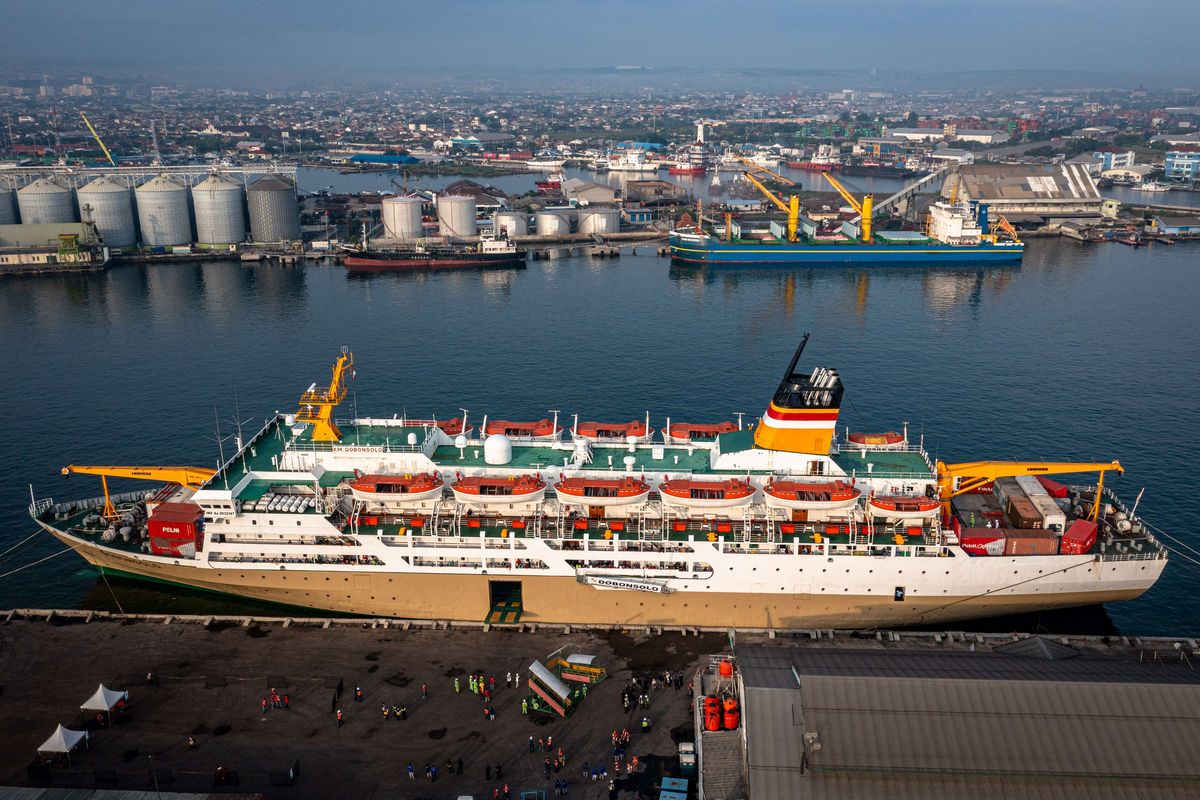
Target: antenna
<point>791,370</point>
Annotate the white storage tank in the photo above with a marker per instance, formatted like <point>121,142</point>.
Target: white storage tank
<point>8,205</point>
<point>162,205</point>
<point>510,223</point>
<point>599,220</point>
<point>553,222</point>
<point>456,216</point>
<point>109,206</point>
<point>220,212</point>
<point>402,217</point>
<point>274,210</point>
<point>45,202</point>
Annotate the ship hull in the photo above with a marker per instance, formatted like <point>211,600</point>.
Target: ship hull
<point>431,262</point>
<point>557,599</point>
<point>715,253</point>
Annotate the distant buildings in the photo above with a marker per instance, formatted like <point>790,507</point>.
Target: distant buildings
<point>1182,164</point>
<point>948,133</point>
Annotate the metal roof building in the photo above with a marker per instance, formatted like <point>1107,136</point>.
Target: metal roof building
<point>1046,190</point>
<point>1033,719</point>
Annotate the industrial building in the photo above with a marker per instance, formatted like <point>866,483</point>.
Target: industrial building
<point>1182,163</point>
<point>1031,193</point>
<point>51,247</point>
<point>1001,717</point>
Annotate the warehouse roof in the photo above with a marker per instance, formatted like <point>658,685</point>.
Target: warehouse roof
<point>1031,182</point>
<point>927,723</point>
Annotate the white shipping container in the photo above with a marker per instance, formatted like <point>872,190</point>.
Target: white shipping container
<point>1005,489</point>
<point>1052,516</point>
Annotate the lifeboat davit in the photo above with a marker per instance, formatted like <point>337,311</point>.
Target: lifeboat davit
<point>904,506</point>
<point>542,429</point>
<point>625,491</point>
<point>811,496</point>
<point>688,432</point>
<point>453,427</point>
<point>706,494</point>
<point>890,440</point>
<point>493,489</point>
<point>397,488</point>
<point>611,431</point>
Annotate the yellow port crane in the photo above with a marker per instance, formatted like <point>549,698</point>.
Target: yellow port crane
<point>864,209</point>
<point>956,479</point>
<point>317,405</point>
<point>99,141</point>
<point>191,477</point>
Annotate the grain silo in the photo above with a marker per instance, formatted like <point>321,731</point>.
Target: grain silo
<point>274,210</point>
<point>456,216</point>
<point>553,222</point>
<point>8,207</point>
<point>220,213</point>
<point>109,206</point>
<point>599,220</point>
<point>162,205</point>
<point>402,217</point>
<point>510,223</point>
<point>45,202</point>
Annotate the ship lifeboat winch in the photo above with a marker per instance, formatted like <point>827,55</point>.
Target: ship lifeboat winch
<point>810,495</point>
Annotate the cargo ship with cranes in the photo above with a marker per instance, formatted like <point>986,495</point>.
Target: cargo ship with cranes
<point>955,233</point>
<point>782,523</point>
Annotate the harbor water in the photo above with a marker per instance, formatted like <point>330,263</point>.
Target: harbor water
<point>1079,353</point>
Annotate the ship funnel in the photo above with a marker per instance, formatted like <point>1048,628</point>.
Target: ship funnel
<point>802,414</point>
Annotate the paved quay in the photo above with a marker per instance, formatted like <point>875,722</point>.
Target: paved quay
<point>210,681</point>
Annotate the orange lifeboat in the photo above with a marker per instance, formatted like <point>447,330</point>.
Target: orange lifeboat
<point>891,440</point>
<point>494,489</point>
<point>689,493</point>
<point>904,506</point>
<point>397,488</point>
<point>541,429</point>
<point>811,496</point>
<point>602,491</point>
<point>688,432</point>
<point>453,427</point>
<point>611,431</point>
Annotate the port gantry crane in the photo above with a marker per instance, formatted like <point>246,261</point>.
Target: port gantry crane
<point>865,209</point>
<point>791,208</point>
<point>99,141</point>
<point>191,477</point>
<point>956,479</point>
<point>317,405</point>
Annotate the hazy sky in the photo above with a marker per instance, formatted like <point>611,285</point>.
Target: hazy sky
<point>293,41</point>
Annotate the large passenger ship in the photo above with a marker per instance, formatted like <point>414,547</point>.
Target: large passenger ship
<point>779,524</point>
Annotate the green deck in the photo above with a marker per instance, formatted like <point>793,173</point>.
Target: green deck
<point>544,457</point>
<point>884,463</point>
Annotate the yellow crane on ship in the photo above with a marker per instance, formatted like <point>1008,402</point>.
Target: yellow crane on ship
<point>191,477</point>
<point>956,479</point>
<point>865,209</point>
<point>99,141</point>
<point>790,207</point>
<point>317,405</point>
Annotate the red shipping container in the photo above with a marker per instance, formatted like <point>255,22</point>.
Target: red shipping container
<point>1030,543</point>
<point>982,541</point>
<point>1056,489</point>
<point>176,529</point>
<point>1079,538</point>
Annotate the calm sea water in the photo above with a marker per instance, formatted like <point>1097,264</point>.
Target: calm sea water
<point>1079,354</point>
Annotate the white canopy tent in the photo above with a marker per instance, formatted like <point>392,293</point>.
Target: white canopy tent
<point>104,699</point>
<point>63,740</point>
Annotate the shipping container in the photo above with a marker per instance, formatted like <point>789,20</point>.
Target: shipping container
<point>982,541</point>
<point>1022,513</point>
<point>1079,538</point>
<point>1056,489</point>
<point>176,529</point>
<point>1053,518</point>
<point>1005,489</point>
<point>1030,543</point>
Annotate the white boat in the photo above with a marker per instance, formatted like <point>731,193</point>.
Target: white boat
<point>549,164</point>
<point>1152,186</point>
<point>632,161</point>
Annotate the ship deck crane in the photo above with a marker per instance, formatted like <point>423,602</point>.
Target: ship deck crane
<point>99,141</point>
<point>865,209</point>
<point>317,405</point>
<point>956,479</point>
<point>791,208</point>
<point>191,477</point>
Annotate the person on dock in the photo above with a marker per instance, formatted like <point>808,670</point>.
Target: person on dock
<point>424,691</point>
<point>412,776</point>
<point>508,680</point>
<point>191,743</point>
<point>287,702</point>
<point>339,718</point>
<point>358,694</point>
<point>531,744</point>
<point>403,713</point>
<point>525,707</point>
<point>457,686</point>
<point>264,704</point>
<point>386,711</point>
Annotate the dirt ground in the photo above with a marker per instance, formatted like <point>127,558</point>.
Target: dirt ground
<point>209,683</point>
